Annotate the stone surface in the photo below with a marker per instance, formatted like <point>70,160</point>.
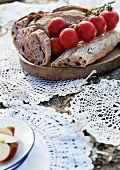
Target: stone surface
<point>108,157</point>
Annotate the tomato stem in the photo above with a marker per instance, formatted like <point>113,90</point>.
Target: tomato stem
<point>109,8</point>
<point>98,10</point>
<point>75,27</point>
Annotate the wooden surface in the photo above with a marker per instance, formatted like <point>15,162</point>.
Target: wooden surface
<point>109,62</point>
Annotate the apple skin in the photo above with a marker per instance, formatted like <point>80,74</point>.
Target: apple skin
<point>13,146</point>
<point>12,129</point>
<point>13,150</point>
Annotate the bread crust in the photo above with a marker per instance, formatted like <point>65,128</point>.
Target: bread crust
<point>69,13</point>
<point>87,53</point>
<point>30,34</point>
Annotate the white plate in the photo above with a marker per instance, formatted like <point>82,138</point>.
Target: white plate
<point>26,138</point>
<point>39,158</point>
<point>18,164</point>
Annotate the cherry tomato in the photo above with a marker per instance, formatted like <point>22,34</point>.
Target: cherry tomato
<point>69,38</point>
<point>86,31</point>
<point>56,25</point>
<point>112,18</point>
<point>56,47</point>
<point>100,24</point>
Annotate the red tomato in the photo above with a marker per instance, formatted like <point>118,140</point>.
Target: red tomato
<point>100,24</point>
<point>69,38</point>
<point>112,18</point>
<point>56,25</point>
<point>86,31</point>
<point>56,47</point>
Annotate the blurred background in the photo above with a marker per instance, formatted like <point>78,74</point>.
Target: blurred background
<point>84,3</point>
<point>29,1</point>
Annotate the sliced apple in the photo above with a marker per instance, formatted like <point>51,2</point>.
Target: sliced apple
<point>12,129</point>
<point>8,138</point>
<point>4,151</point>
<point>6,131</point>
<point>7,151</point>
<point>8,147</point>
<point>13,150</point>
<point>1,140</point>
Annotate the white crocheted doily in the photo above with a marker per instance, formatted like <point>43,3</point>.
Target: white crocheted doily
<point>16,82</point>
<point>97,108</point>
<point>67,149</point>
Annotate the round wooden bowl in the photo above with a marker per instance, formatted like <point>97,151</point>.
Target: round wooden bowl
<point>107,63</point>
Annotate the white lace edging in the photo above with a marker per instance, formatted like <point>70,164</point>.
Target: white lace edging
<point>67,149</point>
<point>14,82</point>
<point>97,108</point>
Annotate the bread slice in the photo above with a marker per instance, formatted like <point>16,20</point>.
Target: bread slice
<point>88,53</point>
<point>30,33</point>
<point>34,44</point>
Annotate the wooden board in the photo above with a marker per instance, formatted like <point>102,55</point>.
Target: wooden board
<point>109,62</point>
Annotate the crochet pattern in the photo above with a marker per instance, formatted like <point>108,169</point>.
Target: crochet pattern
<point>97,107</point>
<point>17,83</point>
<point>67,149</point>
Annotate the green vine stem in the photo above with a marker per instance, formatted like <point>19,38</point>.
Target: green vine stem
<point>93,11</point>
<point>97,11</point>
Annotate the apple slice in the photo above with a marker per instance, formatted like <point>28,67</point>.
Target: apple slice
<point>12,129</point>
<point>13,150</point>
<point>7,141</point>
<point>6,131</point>
<point>1,140</point>
<point>8,138</point>
<point>4,151</point>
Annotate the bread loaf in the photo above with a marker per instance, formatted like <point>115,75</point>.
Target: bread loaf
<point>30,34</point>
<point>88,53</point>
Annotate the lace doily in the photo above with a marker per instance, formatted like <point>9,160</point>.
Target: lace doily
<point>67,149</point>
<point>16,82</point>
<point>97,108</point>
